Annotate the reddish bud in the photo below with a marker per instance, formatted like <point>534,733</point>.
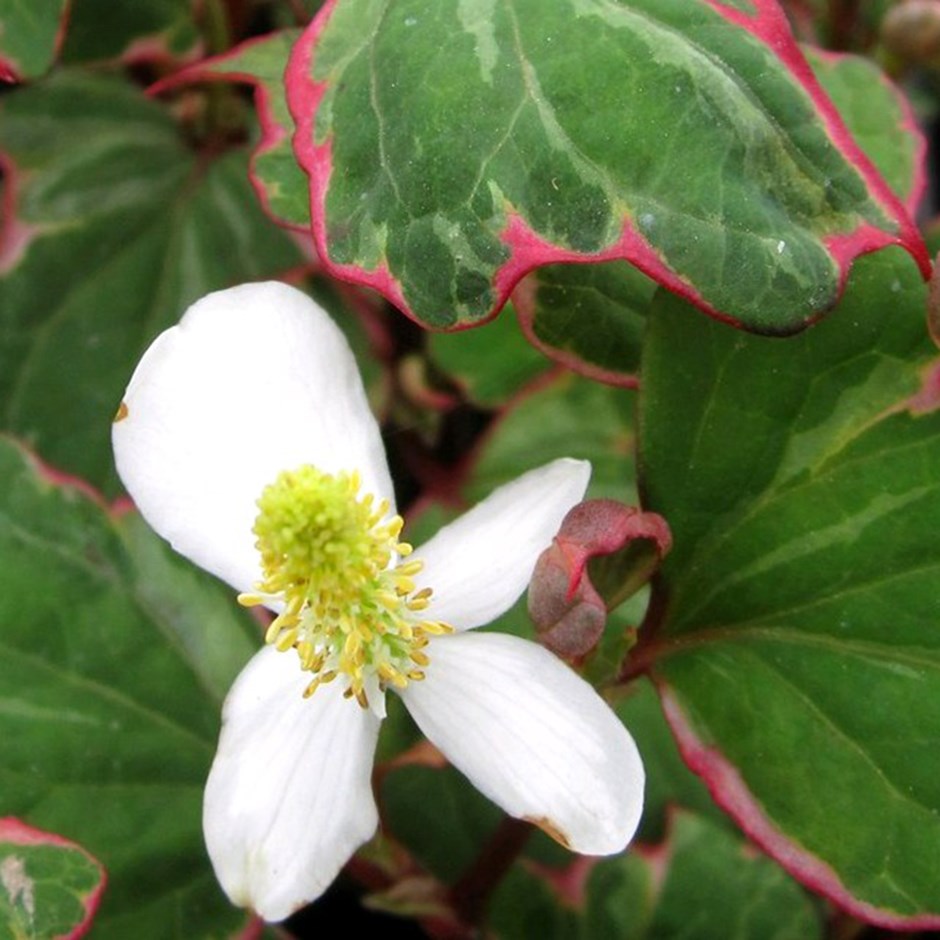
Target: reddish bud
<point>567,604</point>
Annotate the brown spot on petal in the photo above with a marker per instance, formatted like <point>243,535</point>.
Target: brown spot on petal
<point>550,829</point>
<point>122,412</point>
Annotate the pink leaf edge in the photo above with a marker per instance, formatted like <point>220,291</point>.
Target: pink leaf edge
<point>528,250</point>
<point>907,125</point>
<point>731,793</point>
<point>524,301</point>
<point>218,69</point>
<point>15,832</point>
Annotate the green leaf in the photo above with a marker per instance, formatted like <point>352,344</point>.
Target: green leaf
<point>144,29</point>
<point>879,117</point>
<point>590,317</point>
<point>278,180</point>
<point>525,906</point>
<point>795,641</point>
<point>49,887</point>
<point>702,882</point>
<point>29,35</point>
<point>669,782</point>
<point>454,147</point>
<point>438,815</point>
<point>714,887</point>
<point>489,363</point>
<point>113,658</point>
<point>118,228</point>
<point>565,417</point>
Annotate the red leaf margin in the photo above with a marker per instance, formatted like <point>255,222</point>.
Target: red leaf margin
<point>525,301</point>
<point>214,69</point>
<point>907,125</point>
<point>528,250</point>
<point>525,293</point>
<point>14,831</point>
<point>731,793</point>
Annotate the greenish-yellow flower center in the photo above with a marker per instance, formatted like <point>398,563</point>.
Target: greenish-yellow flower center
<point>331,557</point>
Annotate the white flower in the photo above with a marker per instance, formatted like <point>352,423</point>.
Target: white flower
<point>256,392</point>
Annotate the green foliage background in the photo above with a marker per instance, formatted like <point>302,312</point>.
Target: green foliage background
<point>791,637</point>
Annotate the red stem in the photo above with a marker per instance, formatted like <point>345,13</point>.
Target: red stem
<point>469,896</point>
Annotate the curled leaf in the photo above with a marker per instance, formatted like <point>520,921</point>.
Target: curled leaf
<point>567,602</point>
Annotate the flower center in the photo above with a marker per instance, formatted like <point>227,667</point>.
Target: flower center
<point>333,560</point>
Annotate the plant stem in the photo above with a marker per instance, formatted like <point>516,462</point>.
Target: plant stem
<point>215,27</point>
<point>470,894</point>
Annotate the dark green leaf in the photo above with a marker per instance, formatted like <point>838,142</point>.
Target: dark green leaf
<point>567,417</point>
<point>714,887</point>
<point>454,147</point>
<point>491,362</point>
<point>438,815</point>
<point>118,229</point>
<point>796,635</point>
<point>591,317</point>
<point>703,882</point>
<point>143,29</point>
<point>113,658</point>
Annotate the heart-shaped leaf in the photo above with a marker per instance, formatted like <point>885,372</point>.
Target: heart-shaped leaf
<point>452,149</point>
<point>794,630</point>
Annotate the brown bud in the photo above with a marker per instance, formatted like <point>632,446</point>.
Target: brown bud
<point>911,31</point>
<point>569,610</point>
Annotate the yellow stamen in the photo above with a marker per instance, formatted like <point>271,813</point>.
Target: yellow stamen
<point>330,559</point>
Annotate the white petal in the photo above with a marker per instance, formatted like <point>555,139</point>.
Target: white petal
<point>254,380</point>
<point>533,736</point>
<point>289,797</point>
<point>479,565</point>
